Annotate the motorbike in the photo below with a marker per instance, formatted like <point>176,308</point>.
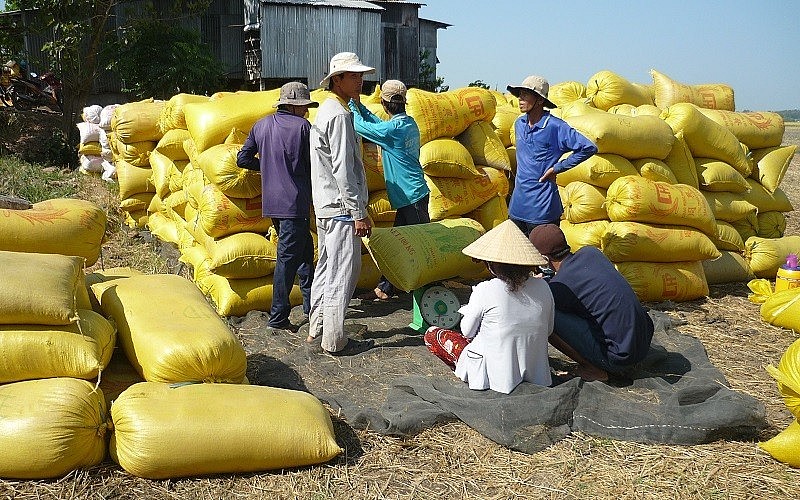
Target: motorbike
<point>29,93</point>
<point>5,85</point>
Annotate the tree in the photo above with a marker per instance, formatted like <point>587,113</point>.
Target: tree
<point>426,74</point>
<point>479,83</point>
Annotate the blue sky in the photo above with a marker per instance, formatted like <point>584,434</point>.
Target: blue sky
<point>753,46</point>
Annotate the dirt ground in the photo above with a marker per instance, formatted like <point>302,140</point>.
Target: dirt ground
<point>453,461</point>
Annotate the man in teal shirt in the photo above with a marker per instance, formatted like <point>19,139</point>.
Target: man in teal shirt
<point>399,141</point>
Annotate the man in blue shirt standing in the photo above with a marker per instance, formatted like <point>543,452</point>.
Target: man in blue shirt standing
<point>282,143</point>
<point>399,141</point>
<point>542,139</point>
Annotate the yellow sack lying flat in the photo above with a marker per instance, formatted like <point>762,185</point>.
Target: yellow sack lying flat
<point>598,170</point>
<point>584,234</point>
<point>133,180</point>
<point>136,153</point>
<point>163,228</point>
<point>583,202</point>
<point>369,275</point>
<point>80,350</point>
<point>637,199</point>
<point>210,122</point>
<point>446,157</point>
<point>781,309</point>
<point>485,146</point>
<point>379,208</point>
<point>447,114</point>
<point>503,122</point>
<point>491,213</point>
<point>180,340</point>
<point>728,238</point>
<point>675,281</point>
<point>655,170</point>
<point>219,215</point>
<point>629,136</point>
<point>785,447</point>
<point>171,145</point>
<point>192,430</point>
<point>632,241</point>
<point>108,274</point>
<point>373,165</point>
<point>707,95</point>
<point>729,207</point>
<point>137,121</point>
<point>413,256</point>
<point>766,255</point>
<point>764,201</point>
<point>681,162</point>
<point>565,92</point>
<point>138,202</point>
<point>606,89</point>
<point>172,116</point>
<point>771,224</point>
<point>716,175</point>
<point>135,218</point>
<point>630,110</point>
<point>219,165</point>
<point>61,226</point>
<point>39,289</point>
<point>771,165</point>
<point>241,255</point>
<point>730,267</point>
<point>237,297</point>
<point>451,196</point>
<point>50,427</point>
<point>747,226</point>
<point>757,130</point>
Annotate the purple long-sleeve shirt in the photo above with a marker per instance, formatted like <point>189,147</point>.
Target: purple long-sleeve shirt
<point>281,141</point>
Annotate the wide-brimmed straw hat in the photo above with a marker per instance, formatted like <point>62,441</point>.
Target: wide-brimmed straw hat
<point>536,84</point>
<point>295,94</point>
<point>507,244</point>
<point>343,62</point>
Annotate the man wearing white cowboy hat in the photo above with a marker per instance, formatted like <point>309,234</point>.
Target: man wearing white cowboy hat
<point>506,324</point>
<point>541,141</point>
<point>282,143</point>
<point>339,190</point>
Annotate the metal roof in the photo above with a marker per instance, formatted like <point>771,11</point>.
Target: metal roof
<point>346,4</point>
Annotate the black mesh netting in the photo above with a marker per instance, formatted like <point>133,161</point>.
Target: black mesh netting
<point>399,388</point>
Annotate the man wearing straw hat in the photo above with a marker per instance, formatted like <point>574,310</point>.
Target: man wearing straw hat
<point>541,140</point>
<point>281,142</point>
<point>339,190</point>
<point>599,321</point>
<point>507,322</point>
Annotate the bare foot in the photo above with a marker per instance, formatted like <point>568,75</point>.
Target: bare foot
<point>381,295</point>
<point>310,339</point>
<point>590,373</point>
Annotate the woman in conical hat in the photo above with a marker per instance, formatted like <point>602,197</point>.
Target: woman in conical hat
<point>506,324</point>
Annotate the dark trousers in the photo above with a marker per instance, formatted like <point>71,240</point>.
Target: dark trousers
<point>295,258</point>
<point>416,213</point>
<point>527,227</point>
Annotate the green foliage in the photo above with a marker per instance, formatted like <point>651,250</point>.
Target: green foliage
<point>479,83</point>
<point>33,182</point>
<point>792,115</point>
<point>426,74</point>
<point>160,59</point>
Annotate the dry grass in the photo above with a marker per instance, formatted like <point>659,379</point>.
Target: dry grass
<point>454,461</point>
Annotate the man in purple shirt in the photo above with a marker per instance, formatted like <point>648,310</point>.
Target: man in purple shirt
<point>282,143</point>
<point>542,139</point>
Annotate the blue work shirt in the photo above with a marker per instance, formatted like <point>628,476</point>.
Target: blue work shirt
<point>539,148</point>
<point>399,141</point>
<point>281,141</point>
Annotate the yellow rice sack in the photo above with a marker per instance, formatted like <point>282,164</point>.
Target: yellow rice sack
<point>181,340</point>
<point>729,207</point>
<point>787,373</point>
<point>771,224</point>
<point>219,215</point>
<point>716,175</point>
<point>766,255</point>
<point>210,122</point>
<point>728,238</point>
<point>757,130</point>
<point>503,122</point>
<point>219,165</point>
<point>39,289</point>
<point>447,114</point>
<point>379,208</point>
<point>162,169</point>
<point>747,226</point>
<point>655,170</point>
<point>781,309</point>
<point>637,199</point>
<point>705,137</point>
<point>172,116</point>
<point>785,447</point>
<point>606,89</point>
<point>133,180</point>
<point>584,234</point>
<point>241,255</point>
<point>161,431</point>
<point>583,202</point>
<point>90,149</point>
<point>598,170</point>
<point>413,256</point>
<point>512,157</point>
<point>137,203</point>
<point>576,108</point>
<point>108,274</point>
<point>373,165</point>
<point>79,350</point>
<point>51,427</point>
<point>237,297</point>
<point>137,121</point>
<point>707,95</point>
<point>659,281</point>
<point>681,162</point>
<point>764,201</point>
<point>484,145</point>
<point>451,196</point>
<point>630,110</point>
<point>770,165</point>
<point>629,136</point>
<point>446,157</point>
<point>62,226</point>
<point>136,218</point>
<point>369,275</point>
<point>118,376</point>
<point>632,241</point>
<point>730,267</point>
<point>163,228</point>
<point>565,92</point>
<point>491,213</point>
<point>171,145</point>
<point>136,153</point>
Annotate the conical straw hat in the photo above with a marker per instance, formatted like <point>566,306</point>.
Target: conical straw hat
<point>505,243</point>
